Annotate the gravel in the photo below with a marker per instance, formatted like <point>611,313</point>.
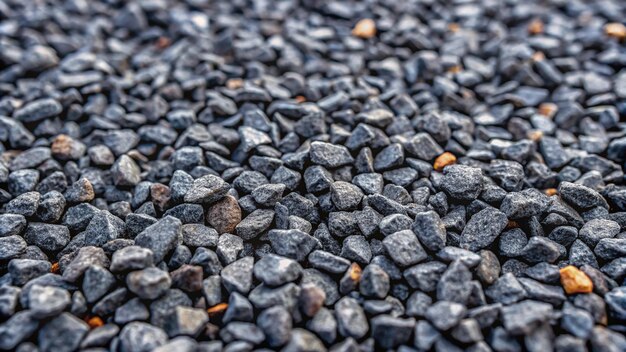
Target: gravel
<point>312,176</point>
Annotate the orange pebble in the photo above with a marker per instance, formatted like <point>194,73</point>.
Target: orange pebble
<point>535,27</point>
<point>444,160</point>
<point>550,192</point>
<point>55,268</point>
<point>615,30</point>
<point>95,322</point>
<point>455,69</point>
<point>355,272</point>
<point>575,281</point>
<point>300,99</point>
<point>454,27</point>
<point>217,309</point>
<point>365,28</point>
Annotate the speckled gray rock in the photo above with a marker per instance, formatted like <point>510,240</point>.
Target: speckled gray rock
<point>345,196</point>
<point>404,248</point>
<point>580,196</point>
<point>47,301</point>
<point>63,333</point>
<point>48,237</point>
<point>255,223</point>
<point>207,189</point>
<point>444,315</point>
<point>149,283</point>
<point>462,182</point>
<point>483,228</point>
<point>143,337</point>
<point>11,224</point>
<point>329,155</point>
<point>293,244</point>
<point>275,270</point>
<point>86,257</point>
<point>430,230</point>
<point>523,317</point>
<point>524,204</point>
<point>11,247</point>
<point>237,276</point>
<point>161,238</point>
<point>351,318</point>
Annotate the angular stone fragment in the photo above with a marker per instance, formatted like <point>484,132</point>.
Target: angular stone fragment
<point>329,155</point>
<point>522,318</point>
<point>351,318</point>
<point>430,230</point>
<point>12,247</point>
<point>149,283</point>
<point>237,276</point>
<point>63,333</point>
<point>345,196</point>
<point>139,336</point>
<point>390,332</point>
<point>580,196</point>
<point>444,315</point>
<point>47,301</point>
<point>38,110</point>
<point>86,257</point>
<point>255,223</point>
<point>48,237</point>
<point>404,248</point>
<point>293,244</point>
<point>224,215</point>
<point>126,172</point>
<point>462,182</point>
<point>161,238</point>
<point>524,204</point>
<point>207,189</point>
<point>575,281</point>
<point>275,270</point>
<point>483,228</point>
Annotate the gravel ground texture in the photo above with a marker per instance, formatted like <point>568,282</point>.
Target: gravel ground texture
<point>312,175</point>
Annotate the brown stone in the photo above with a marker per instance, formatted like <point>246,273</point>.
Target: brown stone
<point>224,215</point>
<point>311,299</point>
<point>160,195</point>
<point>81,191</point>
<point>65,147</point>
<point>575,281</point>
<point>188,278</point>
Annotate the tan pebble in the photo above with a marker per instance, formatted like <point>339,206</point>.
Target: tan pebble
<point>365,28</point>
<point>615,30</point>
